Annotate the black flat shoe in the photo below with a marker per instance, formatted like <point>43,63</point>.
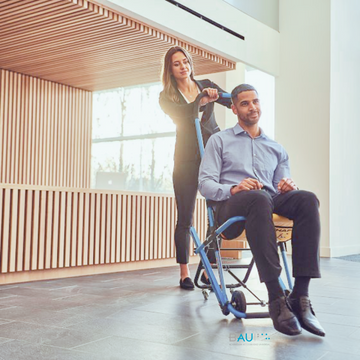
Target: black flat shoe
<point>187,284</point>
<point>304,312</point>
<point>204,279</point>
<point>283,319</point>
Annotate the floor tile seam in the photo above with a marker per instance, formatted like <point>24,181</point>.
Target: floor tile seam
<point>352,284</point>
<point>188,337</point>
<point>332,313</point>
<point>127,337</point>
<point>354,327</point>
<point>337,323</point>
<point>153,273</point>
<point>53,346</point>
<point>112,280</point>
<point>9,321</point>
<point>42,325</point>
<point>7,288</point>
<point>7,297</point>
<point>65,297</point>
<point>38,288</point>
<point>67,327</point>
<point>8,340</point>
<point>323,355</point>
<point>9,307</point>
<point>51,312</point>
<point>156,312</point>
<point>58,312</point>
<point>165,278</point>
<point>354,292</point>
<point>342,354</point>
<point>64,287</point>
<point>339,305</point>
<point>91,342</point>
<point>330,339</point>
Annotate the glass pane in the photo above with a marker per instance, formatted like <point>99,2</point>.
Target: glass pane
<point>105,158</point>
<point>265,85</point>
<point>134,165</point>
<point>139,164</point>
<point>129,111</point>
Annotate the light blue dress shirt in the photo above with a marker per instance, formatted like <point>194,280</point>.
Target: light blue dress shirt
<point>232,155</point>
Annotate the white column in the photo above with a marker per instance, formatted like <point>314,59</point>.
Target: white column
<point>344,128</point>
<point>303,98</point>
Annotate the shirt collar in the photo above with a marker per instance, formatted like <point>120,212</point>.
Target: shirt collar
<point>239,130</point>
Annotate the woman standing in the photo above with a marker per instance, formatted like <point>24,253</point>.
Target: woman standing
<point>178,101</point>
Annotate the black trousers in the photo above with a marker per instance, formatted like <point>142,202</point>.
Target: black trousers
<point>185,181</point>
<point>258,206</point>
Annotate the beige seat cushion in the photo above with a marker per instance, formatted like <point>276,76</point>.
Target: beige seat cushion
<point>283,227</point>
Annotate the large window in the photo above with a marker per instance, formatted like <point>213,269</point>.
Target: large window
<point>265,85</point>
<point>133,140</point>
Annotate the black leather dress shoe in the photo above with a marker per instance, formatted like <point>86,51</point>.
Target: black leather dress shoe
<point>187,284</point>
<point>283,319</point>
<point>204,279</point>
<point>303,310</point>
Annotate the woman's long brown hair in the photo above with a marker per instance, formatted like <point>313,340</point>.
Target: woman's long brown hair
<point>167,78</point>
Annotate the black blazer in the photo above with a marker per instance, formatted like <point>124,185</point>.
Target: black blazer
<point>186,147</point>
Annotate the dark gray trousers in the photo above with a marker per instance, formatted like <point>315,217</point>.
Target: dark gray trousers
<point>258,206</point>
<point>185,180</point>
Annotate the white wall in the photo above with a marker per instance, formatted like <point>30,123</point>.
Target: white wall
<point>266,11</point>
<point>303,98</point>
<point>260,48</point>
<point>345,128</point>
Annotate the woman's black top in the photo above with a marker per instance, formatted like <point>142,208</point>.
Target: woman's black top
<point>183,115</point>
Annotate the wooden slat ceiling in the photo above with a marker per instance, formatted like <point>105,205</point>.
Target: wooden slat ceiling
<point>83,44</point>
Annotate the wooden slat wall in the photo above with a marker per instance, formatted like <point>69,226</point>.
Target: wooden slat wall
<point>45,132</point>
<point>52,229</point>
<point>83,44</point>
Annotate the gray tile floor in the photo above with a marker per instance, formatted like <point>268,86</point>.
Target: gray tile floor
<point>145,315</point>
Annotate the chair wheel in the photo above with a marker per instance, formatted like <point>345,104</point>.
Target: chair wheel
<point>205,294</point>
<point>238,301</point>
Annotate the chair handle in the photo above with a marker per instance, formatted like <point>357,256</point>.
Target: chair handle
<point>197,121</point>
<point>203,94</point>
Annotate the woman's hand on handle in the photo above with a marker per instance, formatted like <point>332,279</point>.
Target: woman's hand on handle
<point>212,95</point>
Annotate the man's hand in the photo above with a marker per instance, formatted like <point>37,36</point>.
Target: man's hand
<point>212,95</point>
<point>246,185</point>
<point>286,185</point>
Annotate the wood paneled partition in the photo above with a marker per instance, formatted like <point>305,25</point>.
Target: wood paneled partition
<point>57,228</point>
<point>89,46</point>
<point>45,132</point>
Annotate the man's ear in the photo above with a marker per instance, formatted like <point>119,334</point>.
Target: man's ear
<point>233,108</point>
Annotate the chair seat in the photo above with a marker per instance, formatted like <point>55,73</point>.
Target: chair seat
<point>283,227</point>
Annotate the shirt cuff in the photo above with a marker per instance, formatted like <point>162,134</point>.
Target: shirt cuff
<point>227,191</point>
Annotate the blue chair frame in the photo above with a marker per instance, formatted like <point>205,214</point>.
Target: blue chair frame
<point>214,239</point>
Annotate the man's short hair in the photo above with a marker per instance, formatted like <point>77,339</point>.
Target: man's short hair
<point>239,89</point>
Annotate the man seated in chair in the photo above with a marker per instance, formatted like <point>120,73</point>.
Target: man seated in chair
<point>249,175</point>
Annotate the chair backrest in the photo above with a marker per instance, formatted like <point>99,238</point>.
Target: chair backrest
<point>210,205</point>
